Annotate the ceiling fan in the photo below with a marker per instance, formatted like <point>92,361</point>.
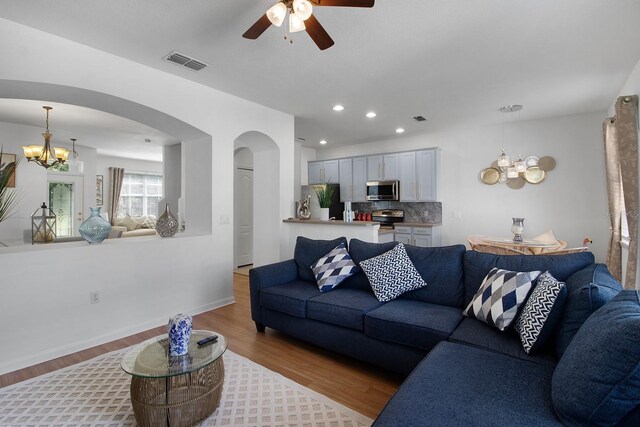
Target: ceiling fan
<point>301,18</point>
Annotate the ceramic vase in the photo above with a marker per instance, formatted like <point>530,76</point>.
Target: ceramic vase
<point>95,228</point>
<point>324,214</point>
<point>179,334</point>
<point>167,224</point>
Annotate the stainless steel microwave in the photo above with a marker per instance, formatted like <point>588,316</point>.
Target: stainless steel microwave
<point>383,190</point>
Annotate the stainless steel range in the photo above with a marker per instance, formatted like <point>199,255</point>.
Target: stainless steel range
<point>387,218</point>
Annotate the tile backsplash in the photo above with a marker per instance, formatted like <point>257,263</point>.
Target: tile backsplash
<point>413,211</point>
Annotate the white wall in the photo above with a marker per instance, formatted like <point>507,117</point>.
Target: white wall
<point>142,281</point>
<point>572,200</point>
<point>31,179</point>
<point>129,165</point>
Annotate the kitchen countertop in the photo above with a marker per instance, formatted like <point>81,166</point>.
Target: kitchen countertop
<point>331,222</point>
<point>418,224</point>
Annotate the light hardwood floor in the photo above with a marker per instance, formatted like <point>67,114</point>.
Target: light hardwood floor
<point>359,386</point>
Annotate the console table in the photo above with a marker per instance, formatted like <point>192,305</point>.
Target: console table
<point>175,391</point>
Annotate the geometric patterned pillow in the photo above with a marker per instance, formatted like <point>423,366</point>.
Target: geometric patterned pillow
<point>333,268</point>
<point>501,294</point>
<point>130,223</point>
<point>392,274</point>
<point>541,312</point>
<point>148,222</point>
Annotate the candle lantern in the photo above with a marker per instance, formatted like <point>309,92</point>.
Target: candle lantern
<point>43,225</point>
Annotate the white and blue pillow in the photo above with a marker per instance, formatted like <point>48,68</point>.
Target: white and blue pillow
<point>392,274</point>
<point>333,268</point>
<point>541,312</point>
<point>501,294</point>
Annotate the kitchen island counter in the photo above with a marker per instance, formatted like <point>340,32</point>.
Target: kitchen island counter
<point>332,222</point>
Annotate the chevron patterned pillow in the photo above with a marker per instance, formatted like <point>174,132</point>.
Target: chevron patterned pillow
<point>501,294</point>
<point>333,268</point>
<point>392,274</point>
<point>541,312</point>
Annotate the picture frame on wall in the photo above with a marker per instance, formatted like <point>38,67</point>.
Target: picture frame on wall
<point>99,188</point>
<point>6,159</point>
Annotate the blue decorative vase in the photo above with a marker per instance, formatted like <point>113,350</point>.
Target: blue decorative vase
<point>95,228</point>
<point>179,334</point>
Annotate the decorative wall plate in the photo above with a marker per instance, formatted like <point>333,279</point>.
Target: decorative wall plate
<point>534,175</point>
<point>531,161</point>
<point>547,163</point>
<point>490,176</point>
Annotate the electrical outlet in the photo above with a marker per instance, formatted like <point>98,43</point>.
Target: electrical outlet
<point>94,297</point>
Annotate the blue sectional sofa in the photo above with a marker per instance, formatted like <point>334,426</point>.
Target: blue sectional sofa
<point>462,371</point>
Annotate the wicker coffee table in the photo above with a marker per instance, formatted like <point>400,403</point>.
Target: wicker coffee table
<point>175,391</point>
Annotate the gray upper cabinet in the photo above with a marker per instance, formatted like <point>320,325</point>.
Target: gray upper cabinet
<point>382,167</point>
<point>324,172</point>
<point>408,182</point>
<point>426,175</point>
<point>346,180</point>
<point>359,168</point>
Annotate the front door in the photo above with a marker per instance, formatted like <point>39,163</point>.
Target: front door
<point>66,199</point>
<point>244,216</point>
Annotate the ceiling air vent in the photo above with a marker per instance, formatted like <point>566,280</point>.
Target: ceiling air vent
<point>419,119</point>
<point>185,61</point>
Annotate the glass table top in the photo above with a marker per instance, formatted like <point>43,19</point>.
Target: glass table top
<point>151,358</point>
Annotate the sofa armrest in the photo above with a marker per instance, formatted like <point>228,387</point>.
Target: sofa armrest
<point>266,276</point>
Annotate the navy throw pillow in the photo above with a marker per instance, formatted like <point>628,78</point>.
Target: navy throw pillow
<point>587,290</point>
<point>308,251</point>
<point>360,251</point>
<point>597,381</point>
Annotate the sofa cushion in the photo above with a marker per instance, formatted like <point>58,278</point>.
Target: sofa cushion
<point>441,268</point>
<point>392,273</point>
<point>458,385</point>
<point>597,381</point>
<point>475,333</point>
<point>587,290</point>
<point>308,251</point>
<point>359,252</point>
<point>412,323</point>
<point>500,296</point>
<point>331,269</point>
<point>342,307</point>
<point>290,298</point>
<point>541,312</point>
<point>477,265</point>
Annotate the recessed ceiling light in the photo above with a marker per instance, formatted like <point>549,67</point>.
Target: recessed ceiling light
<point>371,114</point>
<point>399,130</point>
<point>338,107</point>
<point>323,142</point>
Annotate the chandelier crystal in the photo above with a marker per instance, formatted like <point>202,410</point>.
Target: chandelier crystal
<point>44,155</point>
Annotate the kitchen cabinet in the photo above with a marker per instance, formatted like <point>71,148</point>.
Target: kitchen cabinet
<point>359,168</point>
<point>324,172</point>
<point>408,182</point>
<point>382,167</point>
<point>353,179</point>
<point>424,236</point>
<point>426,175</point>
<point>346,180</point>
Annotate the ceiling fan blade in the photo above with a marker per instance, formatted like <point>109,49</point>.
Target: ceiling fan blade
<point>345,3</point>
<point>318,34</point>
<point>258,28</point>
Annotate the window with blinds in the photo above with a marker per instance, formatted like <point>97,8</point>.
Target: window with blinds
<point>140,194</point>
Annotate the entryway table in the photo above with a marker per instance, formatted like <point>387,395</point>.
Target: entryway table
<point>175,391</point>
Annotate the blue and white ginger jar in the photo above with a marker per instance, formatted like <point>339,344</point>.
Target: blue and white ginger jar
<point>179,334</point>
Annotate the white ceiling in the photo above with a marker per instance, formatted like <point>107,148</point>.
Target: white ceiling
<point>453,61</point>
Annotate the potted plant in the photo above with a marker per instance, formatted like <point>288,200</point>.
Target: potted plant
<point>324,193</point>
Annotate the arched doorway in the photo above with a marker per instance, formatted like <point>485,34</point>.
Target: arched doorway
<point>265,200</point>
<point>243,207</point>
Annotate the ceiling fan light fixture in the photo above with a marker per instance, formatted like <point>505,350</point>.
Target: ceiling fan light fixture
<point>302,8</point>
<point>296,23</point>
<point>277,13</point>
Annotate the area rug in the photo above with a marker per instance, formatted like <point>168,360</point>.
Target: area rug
<point>96,393</point>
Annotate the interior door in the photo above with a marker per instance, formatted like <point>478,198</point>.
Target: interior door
<point>66,199</point>
<point>244,216</point>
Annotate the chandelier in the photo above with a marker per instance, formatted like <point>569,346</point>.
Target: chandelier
<point>44,155</point>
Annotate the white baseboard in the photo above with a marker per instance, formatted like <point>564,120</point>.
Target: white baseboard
<point>34,359</point>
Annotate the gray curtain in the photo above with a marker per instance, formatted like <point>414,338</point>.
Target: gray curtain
<point>115,187</point>
<point>621,154</point>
